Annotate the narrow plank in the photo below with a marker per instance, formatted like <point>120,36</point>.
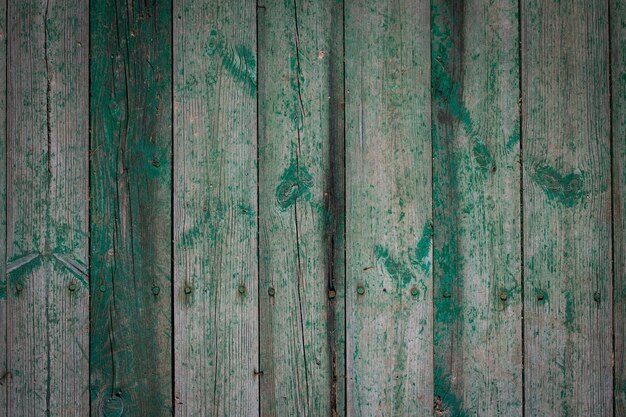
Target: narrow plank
<point>301,207</point>
<point>476,193</point>
<point>131,180</point>
<point>388,208</point>
<point>618,108</point>
<point>47,210</point>
<point>4,372</point>
<point>567,208</point>
<point>215,206</point>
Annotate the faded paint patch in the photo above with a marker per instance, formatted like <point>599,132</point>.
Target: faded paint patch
<point>423,250</point>
<point>238,60</point>
<point>295,183</point>
<point>565,189</point>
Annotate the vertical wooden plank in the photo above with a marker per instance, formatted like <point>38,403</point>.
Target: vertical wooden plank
<point>618,108</point>
<point>131,169</point>
<point>476,193</point>
<point>215,206</point>
<point>567,208</point>
<point>4,371</point>
<point>301,207</point>
<point>47,195</point>
<point>389,208</point>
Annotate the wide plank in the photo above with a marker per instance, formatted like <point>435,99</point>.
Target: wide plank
<point>301,207</point>
<point>477,219</point>
<point>388,208</point>
<point>566,208</point>
<point>47,208</point>
<point>618,117</point>
<point>4,372</point>
<point>215,205</point>
<point>131,210</point>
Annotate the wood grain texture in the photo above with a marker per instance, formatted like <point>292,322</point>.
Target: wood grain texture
<point>131,213</point>
<point>567,208</point>
<point>476,193</point>
<point>47,195</point>
<point>301,207</point>
<point>4,371</point>
<point>388,209</point>
<point>618,117</point>
<point>215,209</point>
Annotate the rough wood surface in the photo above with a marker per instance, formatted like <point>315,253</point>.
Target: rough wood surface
<point>215,209</point>
<point>618,92</point>
<point>131,214</point>
<point>567,208</point>
<point>4,372</point>
<point>476,193</point>
<point>301,207</point>
<point>388,214</point>
<point>47,195</point>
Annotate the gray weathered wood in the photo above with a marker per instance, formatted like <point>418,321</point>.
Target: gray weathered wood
<point>4,372</point>
<point>389,208</point>
<point>476,193</point>
<point>301,207</point>
<point>215,209</point>
<point>47,194</point>
<point>131,213</point>
<point>618,92</point>
<point>567,208</point>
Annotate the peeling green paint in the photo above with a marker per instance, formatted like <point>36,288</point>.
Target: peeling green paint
<point>422,254</point>
<point>295,183</point>
<point>566,189</point>
<point>238,60</point>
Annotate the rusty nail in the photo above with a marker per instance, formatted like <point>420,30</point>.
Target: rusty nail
<point>19,286</point>
<point>242,289</point>
<point>540,295</point>
<point>503,295</point>
<point>187,289</point>
<point>414,291</point>
<point>332,294</point>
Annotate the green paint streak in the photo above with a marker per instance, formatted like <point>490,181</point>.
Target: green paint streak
<point>3,290</point>
<point>568,189</point>
<point>449,91</point>
<point>295,183</point>
<point>422,252</point>
<point>446,402</point>
<point>239,60</point>
<point>570,314</point>
<point>395,268</point>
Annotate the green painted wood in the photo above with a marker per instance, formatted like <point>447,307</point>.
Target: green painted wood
<point>131,213</point>
<point>388,209</point>
<point>215,206</point>
<point>301,205</point>
<point>567,208</point>
<point>47,196</point>
<point>4,371</point>
<point>476,193</point>
<point>618,107</point>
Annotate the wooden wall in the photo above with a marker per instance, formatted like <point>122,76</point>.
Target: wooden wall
<point>313,208</point>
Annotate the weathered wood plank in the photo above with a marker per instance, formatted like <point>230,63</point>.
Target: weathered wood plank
<point>389,208</point>
<point>47,220</point>
<point>4,372</point>
<point>567,208</point>
<point>131,180</point>
<point>215,206</point>
<point>301,203</point>
<point>476,193</point>
<point>618,93</point>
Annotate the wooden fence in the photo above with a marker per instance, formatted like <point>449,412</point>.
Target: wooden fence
<point>313,208</point>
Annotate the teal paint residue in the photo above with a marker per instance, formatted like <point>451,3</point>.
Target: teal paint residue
<point>446,401</point>
<point>449,91</point>
<point>399,271</point>
<point>570,314</point>
<point>238,60</point>
<point>3,290</point>
<point>422,252</point>
<point>567,190</point>
<point>295,183</point>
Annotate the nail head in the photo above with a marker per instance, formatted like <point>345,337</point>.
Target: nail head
<point>72,286</point>
<point>156,290</point>
<point>414,291</point>
<point>360,290</point>
<point>503,295</point>
<point>596,296</point>
<point>242,289</point>
<point>332,294</point>
<point>103,288</point>
<point>187,290</point>
<point>271,291</point>
<point>19,286</point>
